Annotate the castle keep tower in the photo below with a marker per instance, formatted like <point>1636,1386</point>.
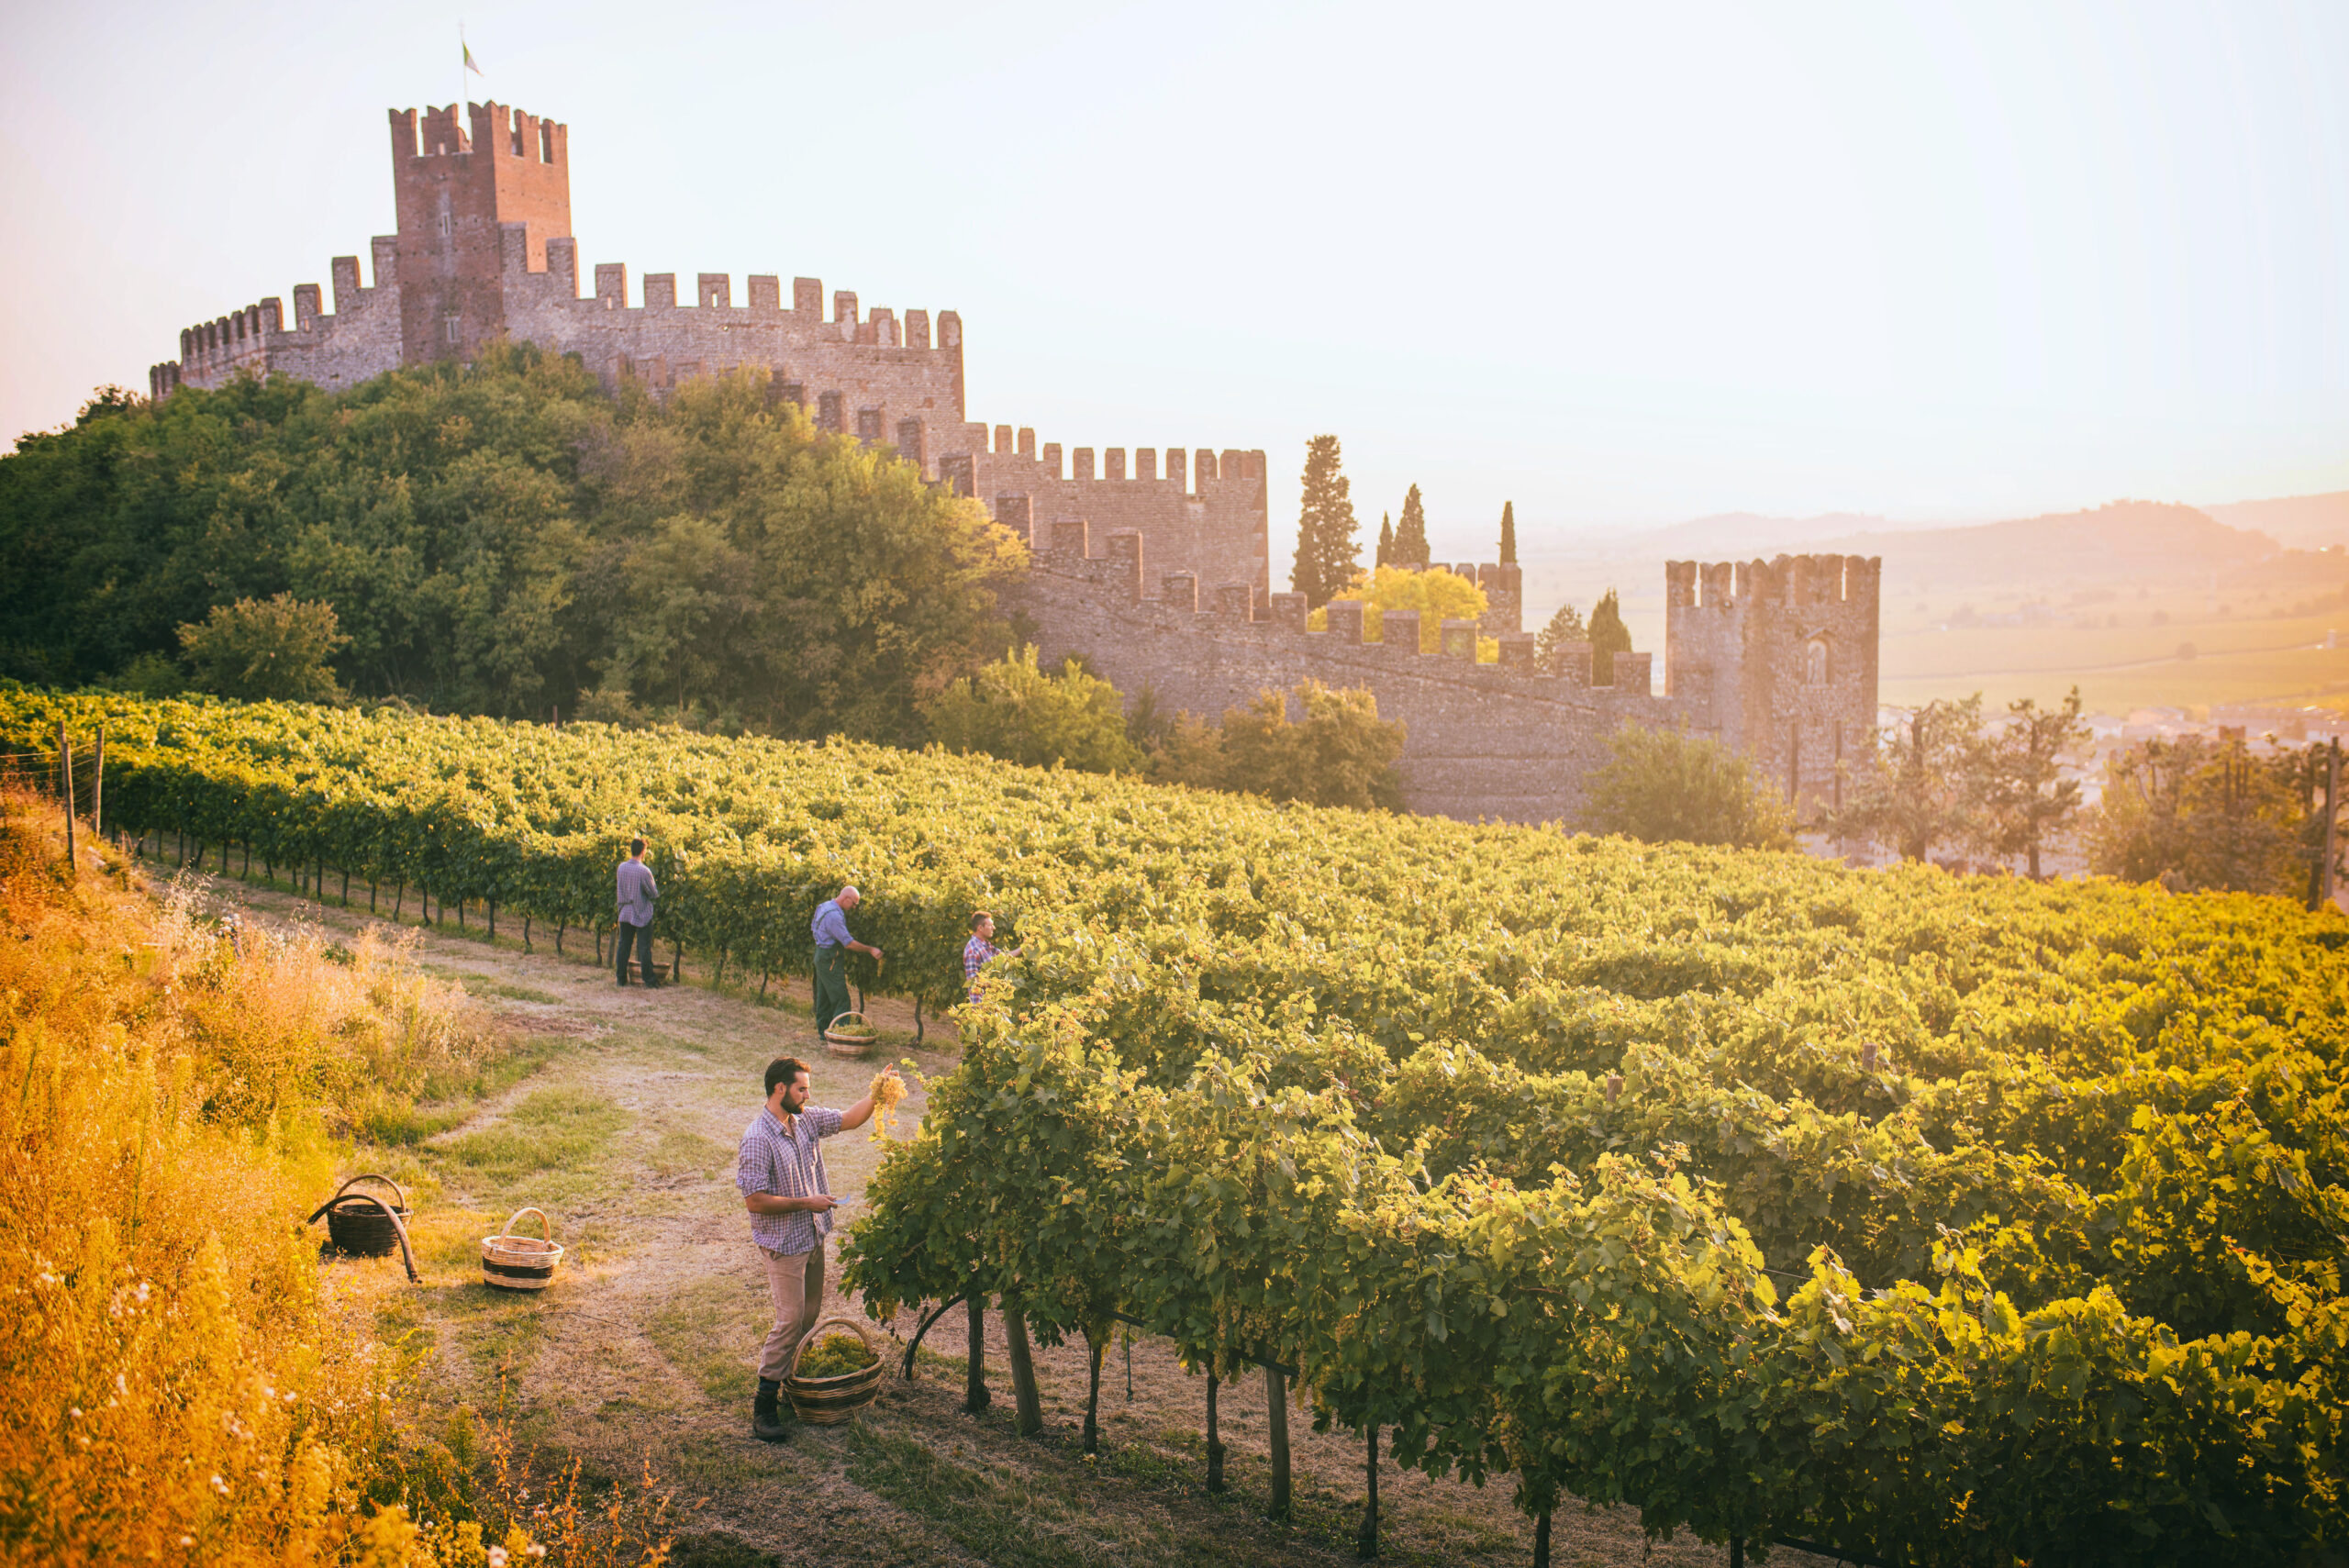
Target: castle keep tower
<point>1778,659</point>
<point>455,187</point>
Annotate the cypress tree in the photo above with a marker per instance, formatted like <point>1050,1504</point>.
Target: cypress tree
<point>1608,637</point>
<point>1411,536</point>
<point>1327,555</point>
<point>1509,533</point>
<point>1386,538</point>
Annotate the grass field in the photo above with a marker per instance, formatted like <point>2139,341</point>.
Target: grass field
<point>2179,647</point>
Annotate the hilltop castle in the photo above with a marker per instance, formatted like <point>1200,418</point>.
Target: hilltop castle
<point>1776,658</point>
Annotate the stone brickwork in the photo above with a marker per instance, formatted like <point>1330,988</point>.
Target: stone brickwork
<point>485,250</point>
<point>1499,742</point>
<point>1778,658</point>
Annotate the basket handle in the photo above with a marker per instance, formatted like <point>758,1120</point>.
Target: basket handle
<point>545,1226</point>
<point>346,1187</point>
<point>837,1018</point>
<point>398,1228</point>
<point>823,1323</point>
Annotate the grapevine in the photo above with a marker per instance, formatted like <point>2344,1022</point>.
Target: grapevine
<point>1950,1218</point>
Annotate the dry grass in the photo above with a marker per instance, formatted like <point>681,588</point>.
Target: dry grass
<point>179,1380</point>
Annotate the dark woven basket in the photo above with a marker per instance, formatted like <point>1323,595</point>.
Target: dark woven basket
<point>362,1224</point>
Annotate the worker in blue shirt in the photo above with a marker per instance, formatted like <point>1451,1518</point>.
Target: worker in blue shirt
<point>833,944</point>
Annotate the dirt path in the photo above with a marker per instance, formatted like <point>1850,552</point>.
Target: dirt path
<point>626,1137</point>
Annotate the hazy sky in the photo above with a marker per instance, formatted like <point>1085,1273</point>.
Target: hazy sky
<point>1621,263</point>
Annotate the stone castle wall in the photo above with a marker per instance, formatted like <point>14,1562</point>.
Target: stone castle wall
<point>1501,741</point>
<point>1498,741</point>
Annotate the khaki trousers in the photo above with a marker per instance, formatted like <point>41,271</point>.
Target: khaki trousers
<point>796,1280</point>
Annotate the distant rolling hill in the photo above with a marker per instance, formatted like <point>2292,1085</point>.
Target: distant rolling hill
<point>2128,542</point>
<point>2299,522</point>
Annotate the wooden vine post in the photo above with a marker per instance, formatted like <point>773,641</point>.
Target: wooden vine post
<point>1366,1542</point>
<point>65,773</point>
<point>1030,1418</point>
<point>1277,1431</point>
<point>98,788</point>
<point>976,1396</point>
<point>2331,822</point>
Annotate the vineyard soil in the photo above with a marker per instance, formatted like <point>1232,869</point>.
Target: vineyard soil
<point>626,1137</point>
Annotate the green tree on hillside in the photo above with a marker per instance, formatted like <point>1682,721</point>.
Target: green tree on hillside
<point>1662,787</point>
<point>1385,539</point>
<point>2195,813</point>
<point>1920,785</point>
<point>1339,753</point>
<point>1509,533</point>
<point>506,537</point>
<point>1549,643</point>
<point>2025,796</point>
<point>1608,637</point>
<point>1327,555</point>
<point>1410,548</point>
<point>273,650</point>
<point>1015,711</point>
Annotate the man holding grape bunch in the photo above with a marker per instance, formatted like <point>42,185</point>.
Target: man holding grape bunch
<point>788,1195</point>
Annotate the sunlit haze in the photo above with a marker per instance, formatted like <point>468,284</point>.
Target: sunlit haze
<point>1622,264</point>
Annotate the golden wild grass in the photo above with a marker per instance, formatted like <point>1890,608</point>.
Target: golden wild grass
<point>178,1383</point>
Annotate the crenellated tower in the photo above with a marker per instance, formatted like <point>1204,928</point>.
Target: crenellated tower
<point>456,186</point>
<point>1778,659</point>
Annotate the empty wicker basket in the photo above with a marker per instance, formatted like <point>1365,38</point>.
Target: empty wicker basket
<point>521,1262</point>
<point>829,1401</point>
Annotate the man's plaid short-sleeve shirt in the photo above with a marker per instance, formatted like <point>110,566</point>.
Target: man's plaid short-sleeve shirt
<point>975,953</point>
<point>789,1163</point>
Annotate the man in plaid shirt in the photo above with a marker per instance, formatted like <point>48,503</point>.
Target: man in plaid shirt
<point>978,950</point>
<point>784,1188</point>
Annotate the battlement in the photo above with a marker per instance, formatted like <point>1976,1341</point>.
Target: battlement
<point>498,130</point>
<point>1127,594</point>
<point>1013,455</point>
<point>1788,581</point>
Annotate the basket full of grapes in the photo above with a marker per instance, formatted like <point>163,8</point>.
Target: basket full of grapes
<point>851,1034</point>
<point>834,1375</point>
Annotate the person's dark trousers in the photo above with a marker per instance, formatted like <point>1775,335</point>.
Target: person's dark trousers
<point>641,936</point>
<point>831,986</point>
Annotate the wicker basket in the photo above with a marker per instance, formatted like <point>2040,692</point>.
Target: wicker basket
<point>362,1224</point>
<point>521,1262</point>
<point>829,1401</point>
<point>840,1044</point>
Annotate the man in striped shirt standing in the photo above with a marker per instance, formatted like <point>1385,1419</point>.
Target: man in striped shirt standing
<point>784,1188</point>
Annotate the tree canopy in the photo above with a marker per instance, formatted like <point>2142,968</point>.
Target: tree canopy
<point>1436,596</point>
<point>1665,787</point>
<point>508,538</point>
<point>1410,546</point>
<point>1326,555</point>
<point>1564,626</point>
<point>1608,637</point>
